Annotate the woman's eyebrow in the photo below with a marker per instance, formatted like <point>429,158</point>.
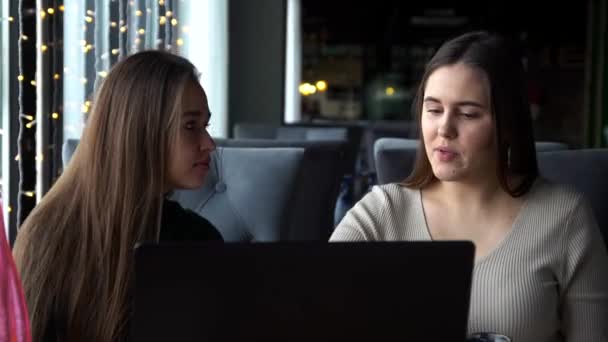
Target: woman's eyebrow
<point>193,113</point>
<point>459,103</point>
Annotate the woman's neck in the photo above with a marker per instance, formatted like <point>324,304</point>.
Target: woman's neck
<point>473,195</point>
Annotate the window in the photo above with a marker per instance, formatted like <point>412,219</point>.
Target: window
<point>362,62</point>
<point>98,36</point>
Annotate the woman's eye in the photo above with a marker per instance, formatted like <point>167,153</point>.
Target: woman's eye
<point>433,111</point>
<point>190,125</point>
<point>470,115</point>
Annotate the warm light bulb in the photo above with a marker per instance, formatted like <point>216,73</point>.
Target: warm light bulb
<point>55,116</point>
<point>56,76</point>
<point>10,19</point>
<point>33,83</point>
<point>88,19</point>
<point>162,20</point>
<point>169,13</point>
<point>29,193</point>
<point>113,24</point>
<point>139,13</point>
<point>174,22</point>
<point>24,37</point>
<point>161,2</point>
<point>42,14</point>
<point>50,11</point>
<point>103,73</point>
<point>180,42</point>
<point>185,29</point>
<point>321,85</point>
<point>307,89</point>
<point>115,52</point>
<point>20,78</point>
<point>44,48</point>
<point>390,91</point>
<point>61,8</point>
<point>123,29</point>
<point>141,31</point>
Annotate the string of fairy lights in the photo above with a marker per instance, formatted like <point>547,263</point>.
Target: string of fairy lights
<point>110,30</point>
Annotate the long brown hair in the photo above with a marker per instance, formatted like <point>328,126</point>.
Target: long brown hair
<point>74,251</point>
<point>498,58</point>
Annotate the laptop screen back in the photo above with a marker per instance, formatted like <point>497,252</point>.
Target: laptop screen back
<point>389,291</point>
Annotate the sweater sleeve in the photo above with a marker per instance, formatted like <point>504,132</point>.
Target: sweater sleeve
<point>584,290</point>
<point>361,222</point>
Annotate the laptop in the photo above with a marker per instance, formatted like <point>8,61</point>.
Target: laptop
<point>386,291</point>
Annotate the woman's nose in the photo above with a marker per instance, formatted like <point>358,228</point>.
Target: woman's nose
<point>207,142</point>
<point>447,127</point>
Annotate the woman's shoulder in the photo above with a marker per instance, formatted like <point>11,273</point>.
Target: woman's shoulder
<point>556,194</point>
<point>184,224</point>
<point>394,191</point>
<point>391,197</point>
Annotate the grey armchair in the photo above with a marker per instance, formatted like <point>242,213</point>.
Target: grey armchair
<point>394,158</point>
<point>585,170</point>
<point>260,190</point>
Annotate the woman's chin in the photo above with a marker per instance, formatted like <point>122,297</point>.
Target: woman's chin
<point>445,174</point>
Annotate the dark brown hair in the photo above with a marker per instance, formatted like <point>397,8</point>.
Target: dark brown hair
<point>514,137</point>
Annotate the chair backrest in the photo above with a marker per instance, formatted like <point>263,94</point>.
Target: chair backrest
<point>244,130</point>
<point>260,190</point>
<point>68,150</point>
<point>543,146</point>
<point>351,135</point>
<point>378,130</point>
<point>292,132</point>
<point>395,157</point>
<point>587,171</point>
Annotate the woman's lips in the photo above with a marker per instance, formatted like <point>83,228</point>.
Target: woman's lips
<point>446,154</point>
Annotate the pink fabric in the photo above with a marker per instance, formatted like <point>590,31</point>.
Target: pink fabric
<point>14,322</point>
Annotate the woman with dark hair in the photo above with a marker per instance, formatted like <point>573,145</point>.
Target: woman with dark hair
<point>538,248</point>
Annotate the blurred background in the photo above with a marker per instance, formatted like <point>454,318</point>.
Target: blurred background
<point>268,65</point>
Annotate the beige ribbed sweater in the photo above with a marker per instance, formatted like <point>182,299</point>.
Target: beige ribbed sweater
<point>546,281</point>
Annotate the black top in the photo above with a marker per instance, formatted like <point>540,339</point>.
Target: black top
<point>180,224</point>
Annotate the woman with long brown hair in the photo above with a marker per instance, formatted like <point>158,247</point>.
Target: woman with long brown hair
<point>146,135</point>
<point>539,273</point>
